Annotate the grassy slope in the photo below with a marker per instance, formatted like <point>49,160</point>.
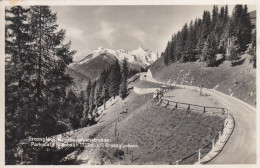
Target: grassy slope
<point>238,81</point>
<point>162,136</point>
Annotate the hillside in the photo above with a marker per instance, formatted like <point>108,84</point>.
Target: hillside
<point>95,66</point>
<point>238,79</point>
<point>76,75</point>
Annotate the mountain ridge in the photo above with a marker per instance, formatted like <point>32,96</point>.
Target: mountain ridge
<point>139,56</point>
<point>101,58</point>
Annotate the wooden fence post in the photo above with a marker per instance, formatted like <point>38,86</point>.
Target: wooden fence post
<point>223,111</point>
<point>188,108</point>
<point>115,128</point>
<point>160,101</point>
<point>177,162</point>
<point>213,141</point>
<point>167,104</point>
<point>219,136</point>
<point>199,154</point>
<point>132,156</point>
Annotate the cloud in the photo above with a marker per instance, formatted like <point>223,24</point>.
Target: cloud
<point>106,32</point>
<point>73,33</point>
<point>138,34</point>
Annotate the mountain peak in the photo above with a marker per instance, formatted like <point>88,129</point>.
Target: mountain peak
<point>100,48</point>
<point>140,48</point>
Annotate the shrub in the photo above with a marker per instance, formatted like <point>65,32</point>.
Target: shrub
<point>118,153</point>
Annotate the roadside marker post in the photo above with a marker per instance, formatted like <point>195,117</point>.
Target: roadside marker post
<point>188,108</point>
<point>213,141</point>
<point>219,136</point>
<point>199,154</point>
<point>177,162</point>
<point>167,104</point>
<point>115,129</point>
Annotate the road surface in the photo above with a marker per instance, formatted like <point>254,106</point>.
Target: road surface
<point>241,147</point>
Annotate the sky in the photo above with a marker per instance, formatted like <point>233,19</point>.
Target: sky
<point>125,27</point>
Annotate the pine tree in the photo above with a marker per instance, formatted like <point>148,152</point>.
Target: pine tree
<point>103,95</point>
<point>51,59</point>
<point>17,69</point>
<point>84,101</point>
<point>123,86</point>
<point>221,30</point>
<point>190,44</point>
<point>178,48</point>
<point>232,48</point>
<point>166,56</point>
<point>209,51</point>
<point>17,101</point>
<point>246,33</point>
<point>97,93</point>
<point>117,77</point>
<point>215,17</point>
<point>222,13</point>
<point>226,17</point>
<point>212,49</point>
<point>173,48</point>
<point>88,89</point>
<point>198,29</point>
<point>205,30</point>
<point>253,48</point>
<point>240,27</point>
<point>112,82</point>
<point>206,24</point>
<point>184,44</point>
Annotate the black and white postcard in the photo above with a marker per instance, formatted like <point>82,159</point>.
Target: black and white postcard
<point>128,83</point>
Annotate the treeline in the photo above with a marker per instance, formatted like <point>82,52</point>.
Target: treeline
<point>111,83</point>
<point>216,32</point>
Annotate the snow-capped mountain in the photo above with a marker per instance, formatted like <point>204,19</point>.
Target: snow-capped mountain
<point>139,56</point>
<point>96,61</point>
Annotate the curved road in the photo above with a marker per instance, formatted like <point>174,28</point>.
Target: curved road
<point>241,146</point>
